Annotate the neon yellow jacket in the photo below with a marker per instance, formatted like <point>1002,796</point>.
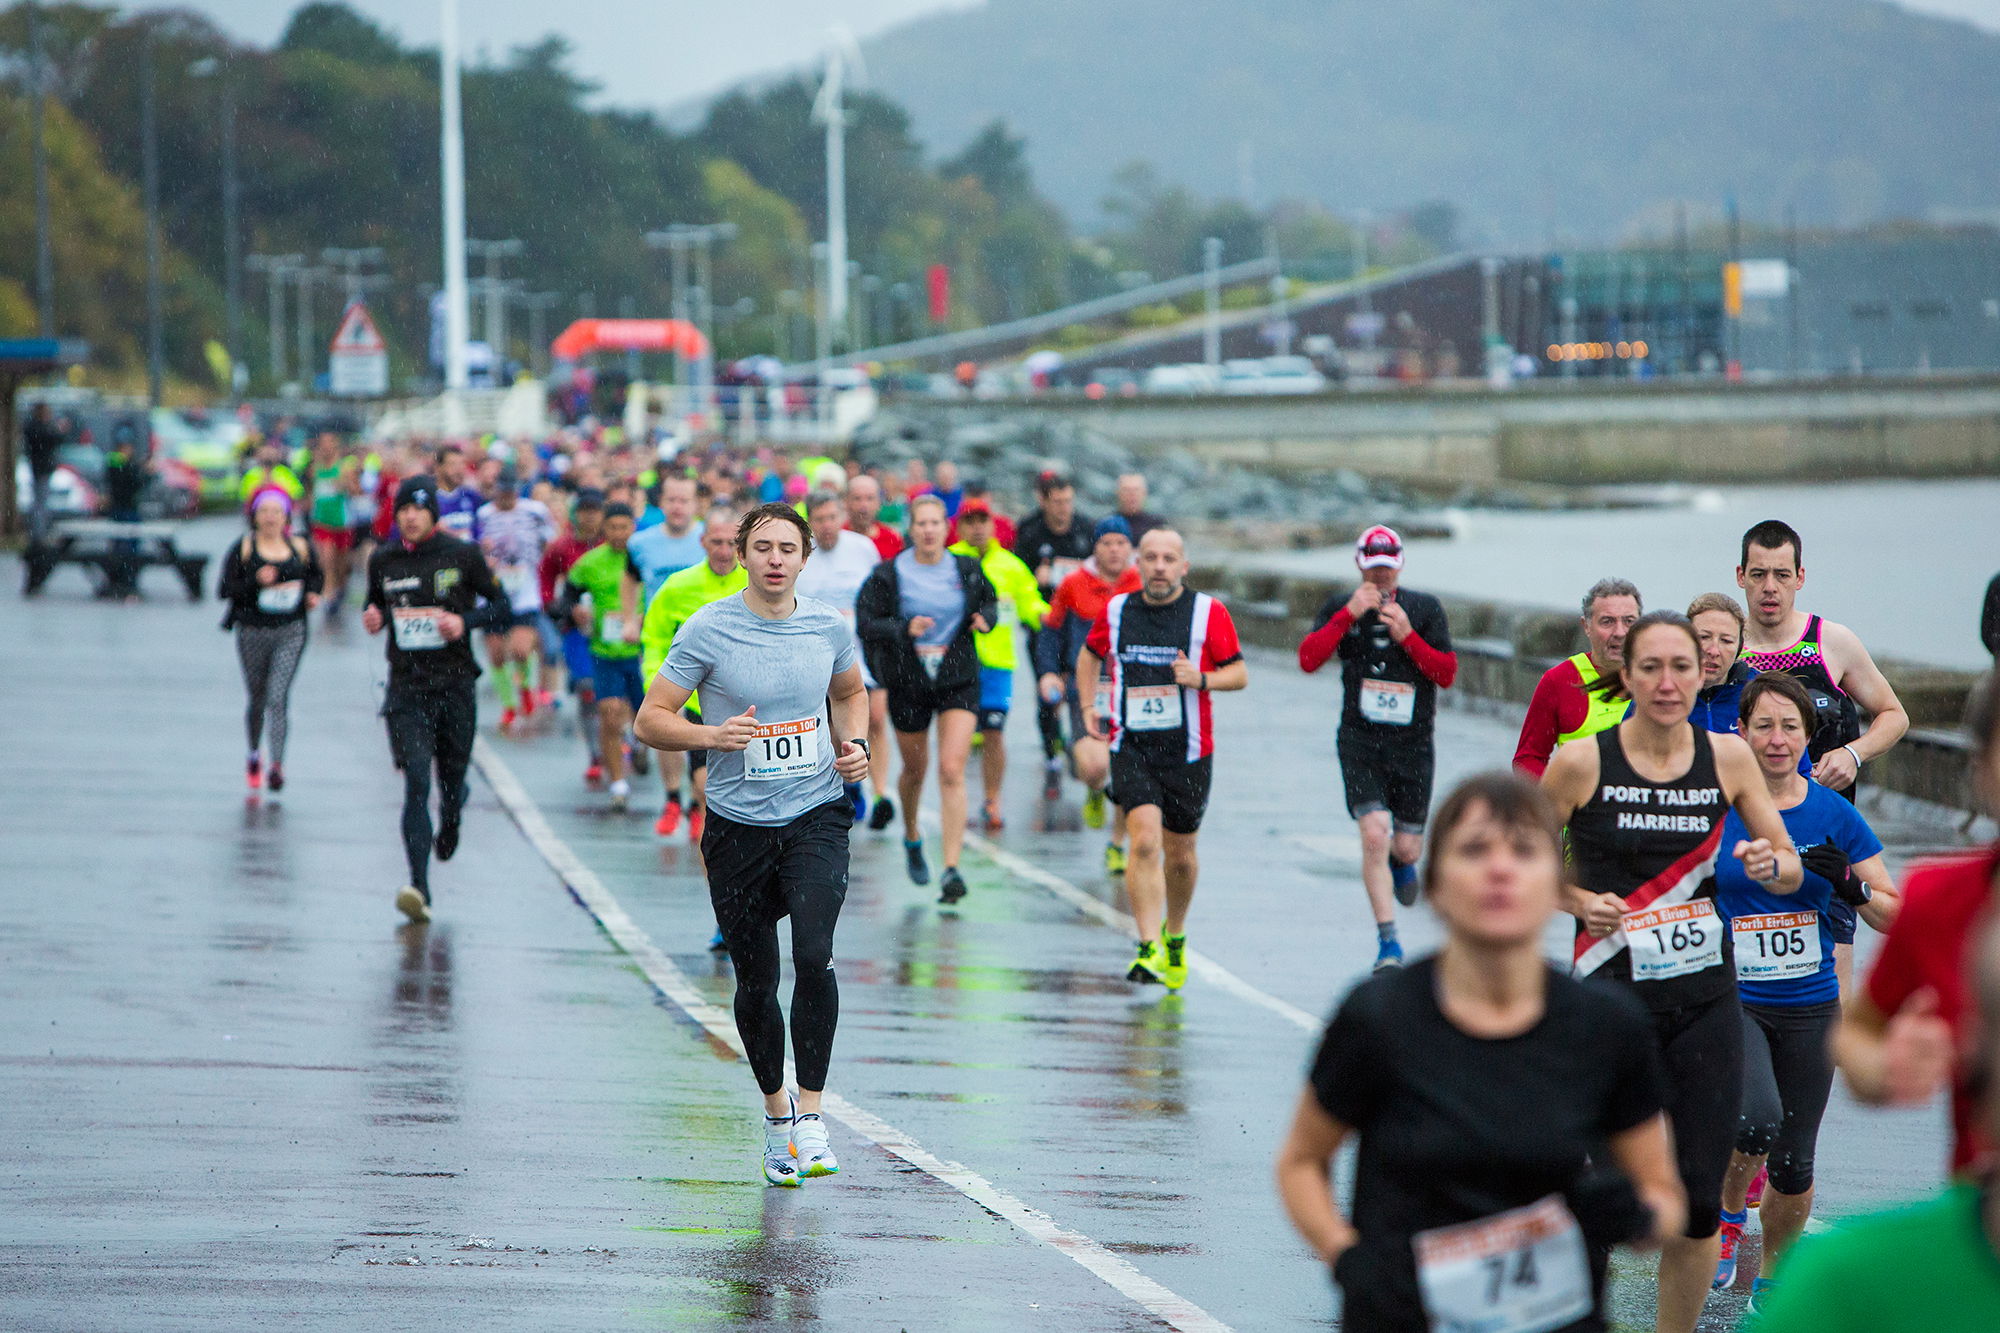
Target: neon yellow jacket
<point>1020,602</point>
<point>679,597</point>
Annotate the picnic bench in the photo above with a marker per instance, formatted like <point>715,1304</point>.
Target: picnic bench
<point>117,552</point>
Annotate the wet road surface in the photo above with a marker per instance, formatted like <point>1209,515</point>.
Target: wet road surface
<point>240,1091</point>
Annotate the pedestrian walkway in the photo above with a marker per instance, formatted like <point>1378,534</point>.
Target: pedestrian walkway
<point>240,1091</point>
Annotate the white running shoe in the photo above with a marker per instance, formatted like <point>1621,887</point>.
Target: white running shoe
<point>412,903</point>
<point>621,794</point>
<point>809,1146</point>
<point>779,1166</point>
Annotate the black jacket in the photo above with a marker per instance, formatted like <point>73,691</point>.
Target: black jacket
<point>444,572</point>
<point>1035,543</point>
<point>885,630</point>
<point>42,440</point>
<point>238,585</point>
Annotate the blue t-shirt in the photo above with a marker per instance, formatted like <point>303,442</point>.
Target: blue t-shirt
<point>458,512</point>
<point>934,591</point>
<point>660,555</point>
<point>1822,817</point>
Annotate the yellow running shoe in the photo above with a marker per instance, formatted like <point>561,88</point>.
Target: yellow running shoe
<point>1174,971</point>
<point>1146,965</point>
<point>1114,858</point>
<point>1093,810</point>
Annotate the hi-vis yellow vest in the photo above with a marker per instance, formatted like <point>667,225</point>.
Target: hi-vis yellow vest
<point>1603,712</point>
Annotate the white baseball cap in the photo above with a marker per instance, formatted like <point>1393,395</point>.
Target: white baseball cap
<point>1379,548</point>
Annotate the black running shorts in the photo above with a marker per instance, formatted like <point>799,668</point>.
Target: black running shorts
<point>1395,777</point>
<point>911,710</point>
<point>1178,787</point>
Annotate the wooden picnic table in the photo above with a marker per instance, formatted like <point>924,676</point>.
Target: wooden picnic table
<point>115,551</point>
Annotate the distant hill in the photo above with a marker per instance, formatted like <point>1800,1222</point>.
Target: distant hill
<point>1536,117</point>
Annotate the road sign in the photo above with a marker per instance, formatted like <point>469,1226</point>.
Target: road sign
<point>358,361</point>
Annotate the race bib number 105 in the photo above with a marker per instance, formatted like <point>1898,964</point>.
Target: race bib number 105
<point>1780,946</point>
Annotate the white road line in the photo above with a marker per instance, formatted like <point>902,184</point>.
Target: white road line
<point>1201,964</point>
<point>1175,1311</point>
<point>1332,846</point>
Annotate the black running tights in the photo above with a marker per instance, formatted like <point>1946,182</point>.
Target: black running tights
<point>426,728</point>
<point>1787,1077</point>
<point>757,875</point>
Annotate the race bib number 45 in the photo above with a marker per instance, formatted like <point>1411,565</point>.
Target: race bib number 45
<point>782,750</point>
<point>1674,941</point>
<point>1521,1271</point>
<point>417,628</point>
<point>1780,946</point>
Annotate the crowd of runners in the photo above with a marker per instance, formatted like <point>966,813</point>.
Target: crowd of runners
<point>756,627</point>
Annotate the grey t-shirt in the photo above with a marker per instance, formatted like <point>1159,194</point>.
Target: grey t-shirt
<point>934,591</point>
<point>735,658</point>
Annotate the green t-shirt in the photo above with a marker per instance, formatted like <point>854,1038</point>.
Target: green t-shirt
<point>684,593</point>
<point>1928,1268</point>
<point>601,572</point>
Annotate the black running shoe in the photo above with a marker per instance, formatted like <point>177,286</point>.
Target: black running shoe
<point>952,887</point>
<point>913,861</point>
<point>1403,876</point>
<point>446,841</point>
<point>884,811</point>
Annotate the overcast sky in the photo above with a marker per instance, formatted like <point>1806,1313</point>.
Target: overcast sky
<point>651,54</point>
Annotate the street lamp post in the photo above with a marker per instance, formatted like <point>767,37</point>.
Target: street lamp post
<point>538,304</point>
<point>149,152</point>
<point>452,151</point>
<point>232,260</point>
<point>38,92</point>
<point>308,276</point>
<point>495,290</point>
<point>1211,330</point>
<point>276,269</point>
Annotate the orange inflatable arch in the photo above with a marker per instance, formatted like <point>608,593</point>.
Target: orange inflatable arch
<point>629,335</point>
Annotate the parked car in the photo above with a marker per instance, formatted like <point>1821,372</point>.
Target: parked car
<point>1184,379</point>
<point>208,455</point>
<point>1272,375</point>
<point>70,494</point>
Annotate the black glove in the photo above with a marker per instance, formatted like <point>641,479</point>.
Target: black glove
<point>1831,864</point>
<point>1608,1209</point>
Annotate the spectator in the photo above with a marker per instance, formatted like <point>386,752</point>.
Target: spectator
<point>1132,506</point>
<point>41,438</point>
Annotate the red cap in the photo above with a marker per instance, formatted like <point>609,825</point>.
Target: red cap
<point>971,507</point>
<point>1379,548</point>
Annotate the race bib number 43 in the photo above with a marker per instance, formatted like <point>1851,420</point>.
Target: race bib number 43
<point>783,750</point>
<point>1674,941</point>
<point>1153,707</point>
<point>1780,946</point>
<point>1521,1271</point>
<point>417,628</point>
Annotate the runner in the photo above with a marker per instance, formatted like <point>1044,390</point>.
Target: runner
<point>918,615</point>
<point>1054,542</point>
<point>1566,704</point>
<point>783,671</point>
<point>1718,628</point>
<point>1132,506</point>
<point>663,550</point>
<point>1644,803</point>
<point>607,575</point>
<point>1785,972</point>
<point>1165,649</point>
<point>1395,655</point>
<point>717,576</point>
<point>1020,605</point>
<point>513,534</point>
<point>267,471</point>
<point>1932,1267</point>
<point>458,499</point>
<point>431,589</point>
<point>335,483</point>
<point>1509,1116</point>
<point>1078,602</point>
<point>1827,657</point>
<point>271,581</point>
<point>1902,1037</point>
<point>864,506</point>
<point>841,563</point>
<point>586,530</point>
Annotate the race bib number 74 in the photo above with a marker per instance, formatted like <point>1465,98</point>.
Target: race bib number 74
<point>1521,1271</point>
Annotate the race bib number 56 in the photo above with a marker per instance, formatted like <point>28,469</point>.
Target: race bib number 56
<point>1673,941</point>
<point>1521,1271</point>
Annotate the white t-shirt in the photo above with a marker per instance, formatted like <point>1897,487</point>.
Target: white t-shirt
<point>835,577</point>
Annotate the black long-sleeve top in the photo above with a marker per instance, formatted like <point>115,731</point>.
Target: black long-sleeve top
<point>279,602</point>
<point>442,573</point>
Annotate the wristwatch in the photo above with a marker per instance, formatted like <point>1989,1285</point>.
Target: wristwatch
<point>864,746</point>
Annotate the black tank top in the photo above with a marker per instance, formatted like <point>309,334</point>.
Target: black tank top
<point>1654,844</point>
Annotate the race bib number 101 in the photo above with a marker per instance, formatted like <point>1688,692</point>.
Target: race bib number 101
<point>783,750</point>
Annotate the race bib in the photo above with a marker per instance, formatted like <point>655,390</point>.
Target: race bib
<point>280,598</point>
<point>417,628</point>
<point>781,750</point>
<point>1521,1271</point>
<point>1102,698</point>
<point>1392,703</point>
<point>1781,946</point>
<point>519,581</point>
<point>932,656</point>
<point>614,628</point>
<point>1061,568</point>
<point>1673,941</point>
<point>1152,707</point>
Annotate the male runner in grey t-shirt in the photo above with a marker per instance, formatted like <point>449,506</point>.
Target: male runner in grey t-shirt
<point>784,672</point>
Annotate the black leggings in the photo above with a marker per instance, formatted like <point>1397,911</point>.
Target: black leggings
<point>757,875</point>
<point>1702,1049</point>
<point>269,656</point>
<point>1048,717</point>
<point>429,727</point>
<point>1787,1077</point>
